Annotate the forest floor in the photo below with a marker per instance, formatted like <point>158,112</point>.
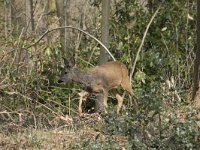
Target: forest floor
<point>25,135</point>
<point>15,136</point>
<point>37,139</point>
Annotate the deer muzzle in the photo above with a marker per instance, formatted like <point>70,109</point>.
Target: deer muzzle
<point>60,81</point>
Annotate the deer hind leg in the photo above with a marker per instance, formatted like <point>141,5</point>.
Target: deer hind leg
<point>120,102</point>
<point>83,95</point>
<point>127,86</point>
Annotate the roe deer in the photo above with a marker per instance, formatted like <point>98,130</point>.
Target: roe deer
<point>98,79</point>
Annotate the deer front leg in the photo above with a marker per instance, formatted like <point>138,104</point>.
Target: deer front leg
<point>105,99</point>
<point>120,101</point>
<point>83,96</point>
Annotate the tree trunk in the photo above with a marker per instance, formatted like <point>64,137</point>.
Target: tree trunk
<point>9,17</point>
<point>99,104</point>
<point>44,23</point>
<point>150,6</point>
<point>197,60</point>
<point>104,31</point>
<point>62,7</point>
<point>103,53</point>
<point>29,17</point>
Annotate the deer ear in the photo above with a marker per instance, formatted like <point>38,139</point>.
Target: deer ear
<point>72,62</point>
<point>66,62</point>
<point>69,63</point>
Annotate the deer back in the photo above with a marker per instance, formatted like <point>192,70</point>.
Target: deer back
<point>110,74</point>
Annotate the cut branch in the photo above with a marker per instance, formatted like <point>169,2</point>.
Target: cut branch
<point>142,43</point>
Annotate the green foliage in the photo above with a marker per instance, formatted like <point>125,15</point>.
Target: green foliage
<point>168,52</point>
<point>163,75</point>
<point>97,144</point>
<point>168,45</point>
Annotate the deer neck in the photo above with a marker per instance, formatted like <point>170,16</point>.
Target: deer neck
<point>82,77</point>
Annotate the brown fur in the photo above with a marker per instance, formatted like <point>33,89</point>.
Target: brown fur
<point>101,78</point>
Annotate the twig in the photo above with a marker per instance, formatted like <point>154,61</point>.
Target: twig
<point>24,96</point>
<point>142,43</point>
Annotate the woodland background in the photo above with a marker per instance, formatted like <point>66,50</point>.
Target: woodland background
<point>158,41</point>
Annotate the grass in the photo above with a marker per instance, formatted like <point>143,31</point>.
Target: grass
<point>82,134</point>
<point>37,139</point>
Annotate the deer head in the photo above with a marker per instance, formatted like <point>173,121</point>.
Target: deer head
<point>68,71</point>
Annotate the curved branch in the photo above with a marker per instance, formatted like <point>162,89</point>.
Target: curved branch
<point>48,31</point>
